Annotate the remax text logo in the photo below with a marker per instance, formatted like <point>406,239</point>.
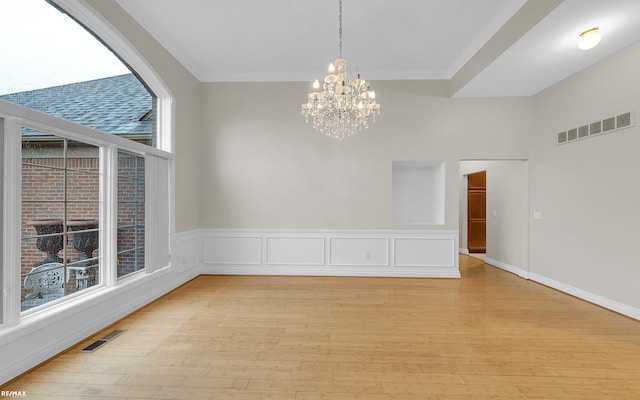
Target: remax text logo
<point>21,394</point>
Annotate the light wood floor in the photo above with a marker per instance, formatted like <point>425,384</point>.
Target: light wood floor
<point>489,335</point>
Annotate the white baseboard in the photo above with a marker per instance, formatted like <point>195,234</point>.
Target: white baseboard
<point>301,270</point>
<point>429,254</point>
<point>588,296</point>
<point>568,289</point>
<point>507,267</point>
<point>463,251</point>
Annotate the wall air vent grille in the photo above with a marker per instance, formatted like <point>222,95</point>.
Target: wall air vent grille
<point>606,125</point>
<point>623,120</point>
<point>583,131</point>
<point>562,137</point>
<point>609,124</point>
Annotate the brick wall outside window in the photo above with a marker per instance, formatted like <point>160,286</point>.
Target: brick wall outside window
<point>43,197</point>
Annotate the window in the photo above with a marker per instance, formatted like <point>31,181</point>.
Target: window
<point>56,66</point>
<point>78,217</point>
<point>60,217</point>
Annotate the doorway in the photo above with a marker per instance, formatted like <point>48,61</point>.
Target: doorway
<point>505,211</point>
<point>477,212</point>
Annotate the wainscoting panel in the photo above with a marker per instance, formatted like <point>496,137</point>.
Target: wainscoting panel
<point>187,251</point>
<point>232,250</point>
<point>359,251</point>
<point>294,250</point>
<point>425,252</point>
<point>431,254</point>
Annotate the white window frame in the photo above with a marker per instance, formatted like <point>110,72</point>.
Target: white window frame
<point>14,117</point>
<point>2,212</point>
<point>87,16</point>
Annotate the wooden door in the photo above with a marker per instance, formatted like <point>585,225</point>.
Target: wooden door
<point>477,212</point>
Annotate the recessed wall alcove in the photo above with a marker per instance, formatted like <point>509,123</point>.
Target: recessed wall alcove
<point>418,192</point>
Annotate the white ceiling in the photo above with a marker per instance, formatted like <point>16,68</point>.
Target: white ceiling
<point>294,40</point>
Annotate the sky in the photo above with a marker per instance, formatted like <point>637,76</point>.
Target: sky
<point>41,47</point>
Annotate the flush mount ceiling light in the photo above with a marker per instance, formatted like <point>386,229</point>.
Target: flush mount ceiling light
<point>341,105</point>
<point>589,38</point>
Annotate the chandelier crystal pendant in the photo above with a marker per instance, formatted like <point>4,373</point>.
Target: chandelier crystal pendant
<point>340,105</point>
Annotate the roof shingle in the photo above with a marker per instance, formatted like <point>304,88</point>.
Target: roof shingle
<point>113,105</point>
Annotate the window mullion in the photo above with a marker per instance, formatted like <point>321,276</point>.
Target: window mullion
<point>12,220</point>
<point>2,233</point>
<point>108,214</point>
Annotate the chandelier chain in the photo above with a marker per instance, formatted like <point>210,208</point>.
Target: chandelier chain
<point>340,30</point>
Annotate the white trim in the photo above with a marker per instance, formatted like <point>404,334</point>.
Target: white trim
<point>368,233</point>
<point>3,288</point>
<point>166,123</point>
<point>108,214</point>
<point>463,251</point>
<point>171,187</point>
<point>507,267</point>
<point>588,296</point>
<point>362,253</point>
<point>30,118</point>
<point>117,42</point>
<point>12,220</point>
<point>568,289</point>
<point>151,212</point>
<point>301,270</point>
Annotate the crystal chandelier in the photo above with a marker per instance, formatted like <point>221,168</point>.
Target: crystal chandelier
<point>341,105</point>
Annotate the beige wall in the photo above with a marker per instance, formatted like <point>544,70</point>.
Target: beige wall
<point>587,190</point>
<point>246,159</point>
<point>186,90</point>
<point>264,167</point>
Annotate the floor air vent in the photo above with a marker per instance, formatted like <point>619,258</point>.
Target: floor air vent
<point>93,346</point>
<point>103,340</point>
<point>606,125</point>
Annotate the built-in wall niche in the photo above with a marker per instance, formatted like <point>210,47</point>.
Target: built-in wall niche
<point>418,192</point>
